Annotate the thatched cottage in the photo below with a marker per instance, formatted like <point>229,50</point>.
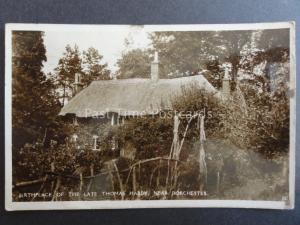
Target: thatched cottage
<point>111,101</point>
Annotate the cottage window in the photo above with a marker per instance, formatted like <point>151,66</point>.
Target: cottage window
<point>95,142</point>
<point>74,138</point>
<point>114,144</point>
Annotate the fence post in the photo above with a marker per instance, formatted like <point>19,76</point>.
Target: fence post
<point>81,184</point>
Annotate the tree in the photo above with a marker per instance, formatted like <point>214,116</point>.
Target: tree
<point>188,52</point>
<point>183,52</point>
<point>35,105</point>
<point>134,63</point>
<point>274,49</point>
<point>267,51</point>
<point>93,68</point>
<point>232,43</point>
<point>68,65</point>
<point>266,126</point>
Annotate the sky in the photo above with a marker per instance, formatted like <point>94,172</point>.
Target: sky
<point>109,42</point>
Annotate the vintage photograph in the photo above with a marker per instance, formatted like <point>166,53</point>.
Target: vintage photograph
<point>121,116</point>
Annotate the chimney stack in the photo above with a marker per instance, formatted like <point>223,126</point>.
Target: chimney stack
<point>226,83</point>
<point>154,68</point>
<point>78,86</point>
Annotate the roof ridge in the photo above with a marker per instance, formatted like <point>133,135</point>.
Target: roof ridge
<point>136,94</point>
<point>143,79</point>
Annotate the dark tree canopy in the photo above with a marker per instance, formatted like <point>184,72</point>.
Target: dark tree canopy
<point>35,106</point>
<point>68,65</point>
<point>88,64</point>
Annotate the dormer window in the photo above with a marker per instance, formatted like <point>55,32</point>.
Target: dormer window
<point>75,122</point>
<point>115,119</point>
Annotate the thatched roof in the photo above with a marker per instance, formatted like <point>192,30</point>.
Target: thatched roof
<point>130,96</point>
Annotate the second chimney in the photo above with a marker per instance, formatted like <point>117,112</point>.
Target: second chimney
<point>154,68</point>
<point>226,84</point>
<point>77,86</point>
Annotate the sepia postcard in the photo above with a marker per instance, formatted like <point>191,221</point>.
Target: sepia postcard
<point>150,116</point>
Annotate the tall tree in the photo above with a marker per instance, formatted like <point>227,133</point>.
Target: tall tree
<point>231,45</point>
<point>94,69</point>
<point>274,48</point>
<point>68,65</point>
<point>269,51</point>
<point>34,104</point>
<point>183,52</point>
<point>188,52</point>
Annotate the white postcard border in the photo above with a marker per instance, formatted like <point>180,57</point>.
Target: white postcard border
<point>114,204</point>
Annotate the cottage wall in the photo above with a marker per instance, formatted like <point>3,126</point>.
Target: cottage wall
<point>87,129</point>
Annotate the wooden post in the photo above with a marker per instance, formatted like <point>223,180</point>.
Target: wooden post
<point>58,181</point>
<point>109,168</point>
<point>92,169</point>
<point>42,187</point>
<point>218,182</point>
<point>52,168</point>
<point>158,175</point>
<point>119,178</point>
<point>134,181</point>
<point>92,174</point>
<point>81,185</point>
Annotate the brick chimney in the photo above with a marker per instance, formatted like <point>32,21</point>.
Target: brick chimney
<point>77,85</point>
<point>154,68</point>
<point>226,83</point>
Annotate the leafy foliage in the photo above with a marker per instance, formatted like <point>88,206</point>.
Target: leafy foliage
<point>265,128</point>
<point>35,105</point>
<point>182,52</point>
<point>153,135</point>
<point>94,69</point>
<point>134,63</point>
<point>88,64</point>
<point>68,65</point>
<point>214,73</point>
